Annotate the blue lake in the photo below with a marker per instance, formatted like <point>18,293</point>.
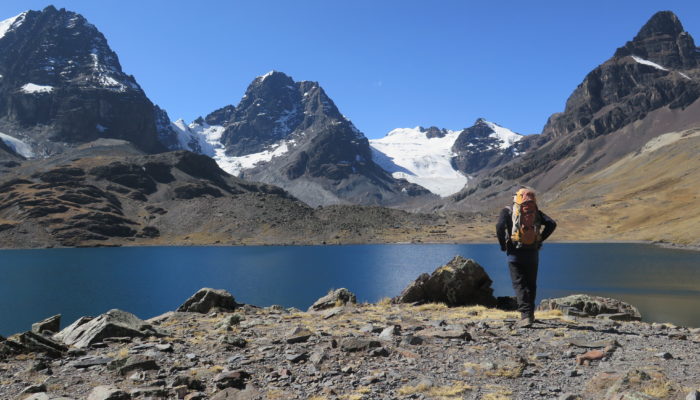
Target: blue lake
<point>34,284</point>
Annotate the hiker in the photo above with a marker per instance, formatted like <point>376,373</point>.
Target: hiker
<point>520,234</point>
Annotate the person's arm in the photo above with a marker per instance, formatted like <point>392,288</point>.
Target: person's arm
<point>502,227</point>
<point>549,226</point>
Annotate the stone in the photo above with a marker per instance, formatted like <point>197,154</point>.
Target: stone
<point>379,352</point>
<point>113,323</point>
<point>149,392</point>
<point>333,299</point>
<point>202,396</point>
<point>136,362</point>
<point>229,321</point>
<point>460,282</point>
<point>88,362</point>
<point>207,299</point>
<point>231,341</point>
<point>51,324</point>
<point>38,396</point>
<point>166,348</point>
<point>236,394</point>
<point>583,342</point>
<point>318,357</point>
<point>298,335</point>
<point>693,395</point>
<point>352,345</point>
<point>592,306</point>
<point>108,392</point>
<point>664,355</point>
<point>296,357</point>
<point>30,342</point>
<point>34,389</point>
<point>231,379</point>
<point>411,340</point>
<point>617,317</point>
<point>390,332</point>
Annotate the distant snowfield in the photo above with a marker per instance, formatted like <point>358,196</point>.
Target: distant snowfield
<point>408,153</point>
<point>17,145</point>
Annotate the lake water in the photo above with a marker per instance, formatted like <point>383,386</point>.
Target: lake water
<point>34,284</point>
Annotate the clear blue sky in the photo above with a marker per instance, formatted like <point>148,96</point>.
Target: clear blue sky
<point>386,64</point>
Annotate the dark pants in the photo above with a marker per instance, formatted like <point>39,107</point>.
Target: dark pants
<point>524,277</point>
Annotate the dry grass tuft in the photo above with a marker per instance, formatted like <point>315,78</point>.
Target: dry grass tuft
<point>549,314</point>
<point>446,392</point>
<point>658,388</point>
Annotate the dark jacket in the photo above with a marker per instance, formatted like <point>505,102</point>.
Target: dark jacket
<point>504,227</point>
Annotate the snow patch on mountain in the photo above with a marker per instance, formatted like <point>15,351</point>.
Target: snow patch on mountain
<point>31,88</point>
<point>11,23</point>
<point>191,140</point>
<point>211,134</point>
<point>17,145</point>
<point>409,154</point>
<point>504,135</point>
<point>649,63</point>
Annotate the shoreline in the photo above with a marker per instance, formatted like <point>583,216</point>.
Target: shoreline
<point>660,244</point>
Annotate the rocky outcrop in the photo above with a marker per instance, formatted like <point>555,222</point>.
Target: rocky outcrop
<point>114,323</point>
<point>591,306</point>
<point>206,300</point>
<point>50,324</point>
<point>335,298</point>
<point>460,282</point>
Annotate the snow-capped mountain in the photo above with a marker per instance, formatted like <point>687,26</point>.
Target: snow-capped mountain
<point>292,135</point>
<point>62,85</point>
<point>440,159</point>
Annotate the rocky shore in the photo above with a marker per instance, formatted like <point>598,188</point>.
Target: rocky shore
<point>211,347</point>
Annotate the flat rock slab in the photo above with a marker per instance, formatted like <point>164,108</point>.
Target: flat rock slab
<point>592,344</point>
<point>92,361</point>
<point>114,323</point>
<point>50,324</point>
<point>352,345</point>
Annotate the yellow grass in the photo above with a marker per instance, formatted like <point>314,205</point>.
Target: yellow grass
<point>435,391</point>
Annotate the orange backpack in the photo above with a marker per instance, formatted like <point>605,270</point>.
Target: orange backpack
<point>526,220</point>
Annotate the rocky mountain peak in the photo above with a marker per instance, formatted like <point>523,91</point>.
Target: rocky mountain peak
<point>62,85</point>
<point>664,41</point>
<point>661,23</point>
<point>433,132</point>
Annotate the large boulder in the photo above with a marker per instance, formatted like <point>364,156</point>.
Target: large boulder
<point>207,299</point>
<point>334,298</point>
<point>460,282</point>
<point>584,305</point>
<point>50,324</point>
<point>113,323</point>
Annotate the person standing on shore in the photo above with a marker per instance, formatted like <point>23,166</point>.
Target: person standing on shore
<point>520,233</point>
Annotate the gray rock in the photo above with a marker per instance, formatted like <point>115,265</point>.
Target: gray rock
<point>693,395</point>
<point>34,389</point>
<point>234,394</point>
<point>411,340</point>
<point>231,379</point>
<point>30,342</point>
<point>207,299</point>
<point>592,306</point>
<point>114,323</point>
<point>134,363</point>
<point>352,345</point>
<point>333,299</point>
<point>296,357</point>
<point>298,335</point>
<point>37,396</point>
<point>379,352</point>
<point>446,334</point>
<point>459,282</point>
<point>91,361</point>
<point>229,321</point>
<point>390,332</point>
<point>664,355</point>
<point>51,324</point>
<point>108,392</point>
